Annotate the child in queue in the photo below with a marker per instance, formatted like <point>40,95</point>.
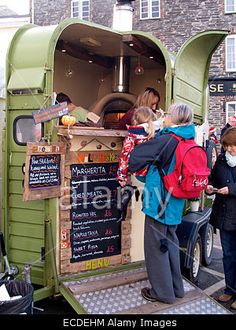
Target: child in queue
<point>144,125</point>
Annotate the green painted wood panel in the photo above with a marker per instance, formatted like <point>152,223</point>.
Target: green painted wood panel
<point>15,173</point>
<point>18,158</point>
<point>16,201</point>
<point>15,187</point>
<point>22,78</point>
<point>25,243</point>
<point>192,69</point>
<point>21,256</point>
<point>30,103</point>
<point>27,230</point>
<point>25,215</point>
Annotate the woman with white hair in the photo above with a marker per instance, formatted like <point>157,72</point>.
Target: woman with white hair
<point>163,212</point>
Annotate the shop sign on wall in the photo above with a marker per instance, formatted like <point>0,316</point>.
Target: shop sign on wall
<point>222,87</point>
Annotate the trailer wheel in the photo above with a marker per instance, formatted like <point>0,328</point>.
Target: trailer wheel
<point>207,245</point>
<point>193,272</point>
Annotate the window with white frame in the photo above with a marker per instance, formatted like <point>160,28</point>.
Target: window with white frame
<point>80,9</point>
<point>230,110</point>
<point>230,6</point>
<point>149,9</point>
<point>230,54</point>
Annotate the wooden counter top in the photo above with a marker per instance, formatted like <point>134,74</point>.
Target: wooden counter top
<point>90,131</point>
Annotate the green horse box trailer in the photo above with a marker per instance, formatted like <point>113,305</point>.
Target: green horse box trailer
<point>54,215</point>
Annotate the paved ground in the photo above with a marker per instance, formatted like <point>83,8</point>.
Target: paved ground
<point>211,280</point>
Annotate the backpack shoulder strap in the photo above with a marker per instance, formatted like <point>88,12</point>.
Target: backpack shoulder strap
<point>177,137</point>
<point>160,168</point>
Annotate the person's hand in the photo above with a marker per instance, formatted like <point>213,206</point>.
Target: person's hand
<point>223,191</point>
<point>122,183</point>
<point>209,189</point>
<point>232,121</point>
<point>160,113</point>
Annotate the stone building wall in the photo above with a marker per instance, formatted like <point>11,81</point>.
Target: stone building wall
<point>179,20</point>
<point>50,12</point>
<point>102,11</point>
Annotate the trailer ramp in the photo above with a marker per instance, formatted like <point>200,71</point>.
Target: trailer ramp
<point>119,293</point>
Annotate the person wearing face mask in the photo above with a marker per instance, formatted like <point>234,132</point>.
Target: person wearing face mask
<point>222,182</point>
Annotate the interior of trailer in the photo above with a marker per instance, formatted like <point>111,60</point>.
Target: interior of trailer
<point>104,72</point>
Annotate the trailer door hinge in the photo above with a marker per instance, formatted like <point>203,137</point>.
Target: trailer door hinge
<point>46,68</point>
<point>43,253</point>
<point>173,72</point>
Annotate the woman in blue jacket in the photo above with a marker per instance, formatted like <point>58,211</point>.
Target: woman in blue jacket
<point>163,211</point>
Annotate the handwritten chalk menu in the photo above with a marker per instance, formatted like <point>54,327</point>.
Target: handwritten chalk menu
<point>44,171</point>
<point>95,232</point>
<point>44,167</point>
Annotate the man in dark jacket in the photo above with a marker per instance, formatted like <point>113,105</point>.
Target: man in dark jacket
<point>223,216</point>
<point>230,123</point>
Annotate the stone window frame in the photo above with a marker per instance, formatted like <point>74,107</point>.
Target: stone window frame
<point>227,68</point>
<point>230,112</point>
<point>230,11</point>
<point>149,9</point>
<point>81,13</point>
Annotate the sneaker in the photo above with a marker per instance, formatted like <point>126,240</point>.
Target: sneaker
<point>225,297</point>
<point>233,305</point>
<point>145,292</point>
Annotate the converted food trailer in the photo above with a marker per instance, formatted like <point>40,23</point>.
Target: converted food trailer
<point>74,249</point>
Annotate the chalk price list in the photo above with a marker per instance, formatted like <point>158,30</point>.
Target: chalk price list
<point>44,171</point>
<point>95,231</point>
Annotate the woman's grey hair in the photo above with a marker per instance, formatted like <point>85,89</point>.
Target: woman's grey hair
<point>181,114</point>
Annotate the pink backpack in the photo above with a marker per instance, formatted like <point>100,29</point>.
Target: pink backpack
<point>190,174</point>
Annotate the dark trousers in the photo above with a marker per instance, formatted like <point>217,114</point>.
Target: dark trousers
<point>228,243</point>
<point>161,248</point>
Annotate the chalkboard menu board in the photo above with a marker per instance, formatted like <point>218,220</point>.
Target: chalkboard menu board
<point>44,167</point>
<point>44,171</point>
<point>95,231</point>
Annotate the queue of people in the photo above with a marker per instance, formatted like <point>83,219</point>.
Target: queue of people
<point>161,246</point>
<point>149,140</point>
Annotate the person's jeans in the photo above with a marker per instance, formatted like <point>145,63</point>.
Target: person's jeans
<point>228,243</point>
